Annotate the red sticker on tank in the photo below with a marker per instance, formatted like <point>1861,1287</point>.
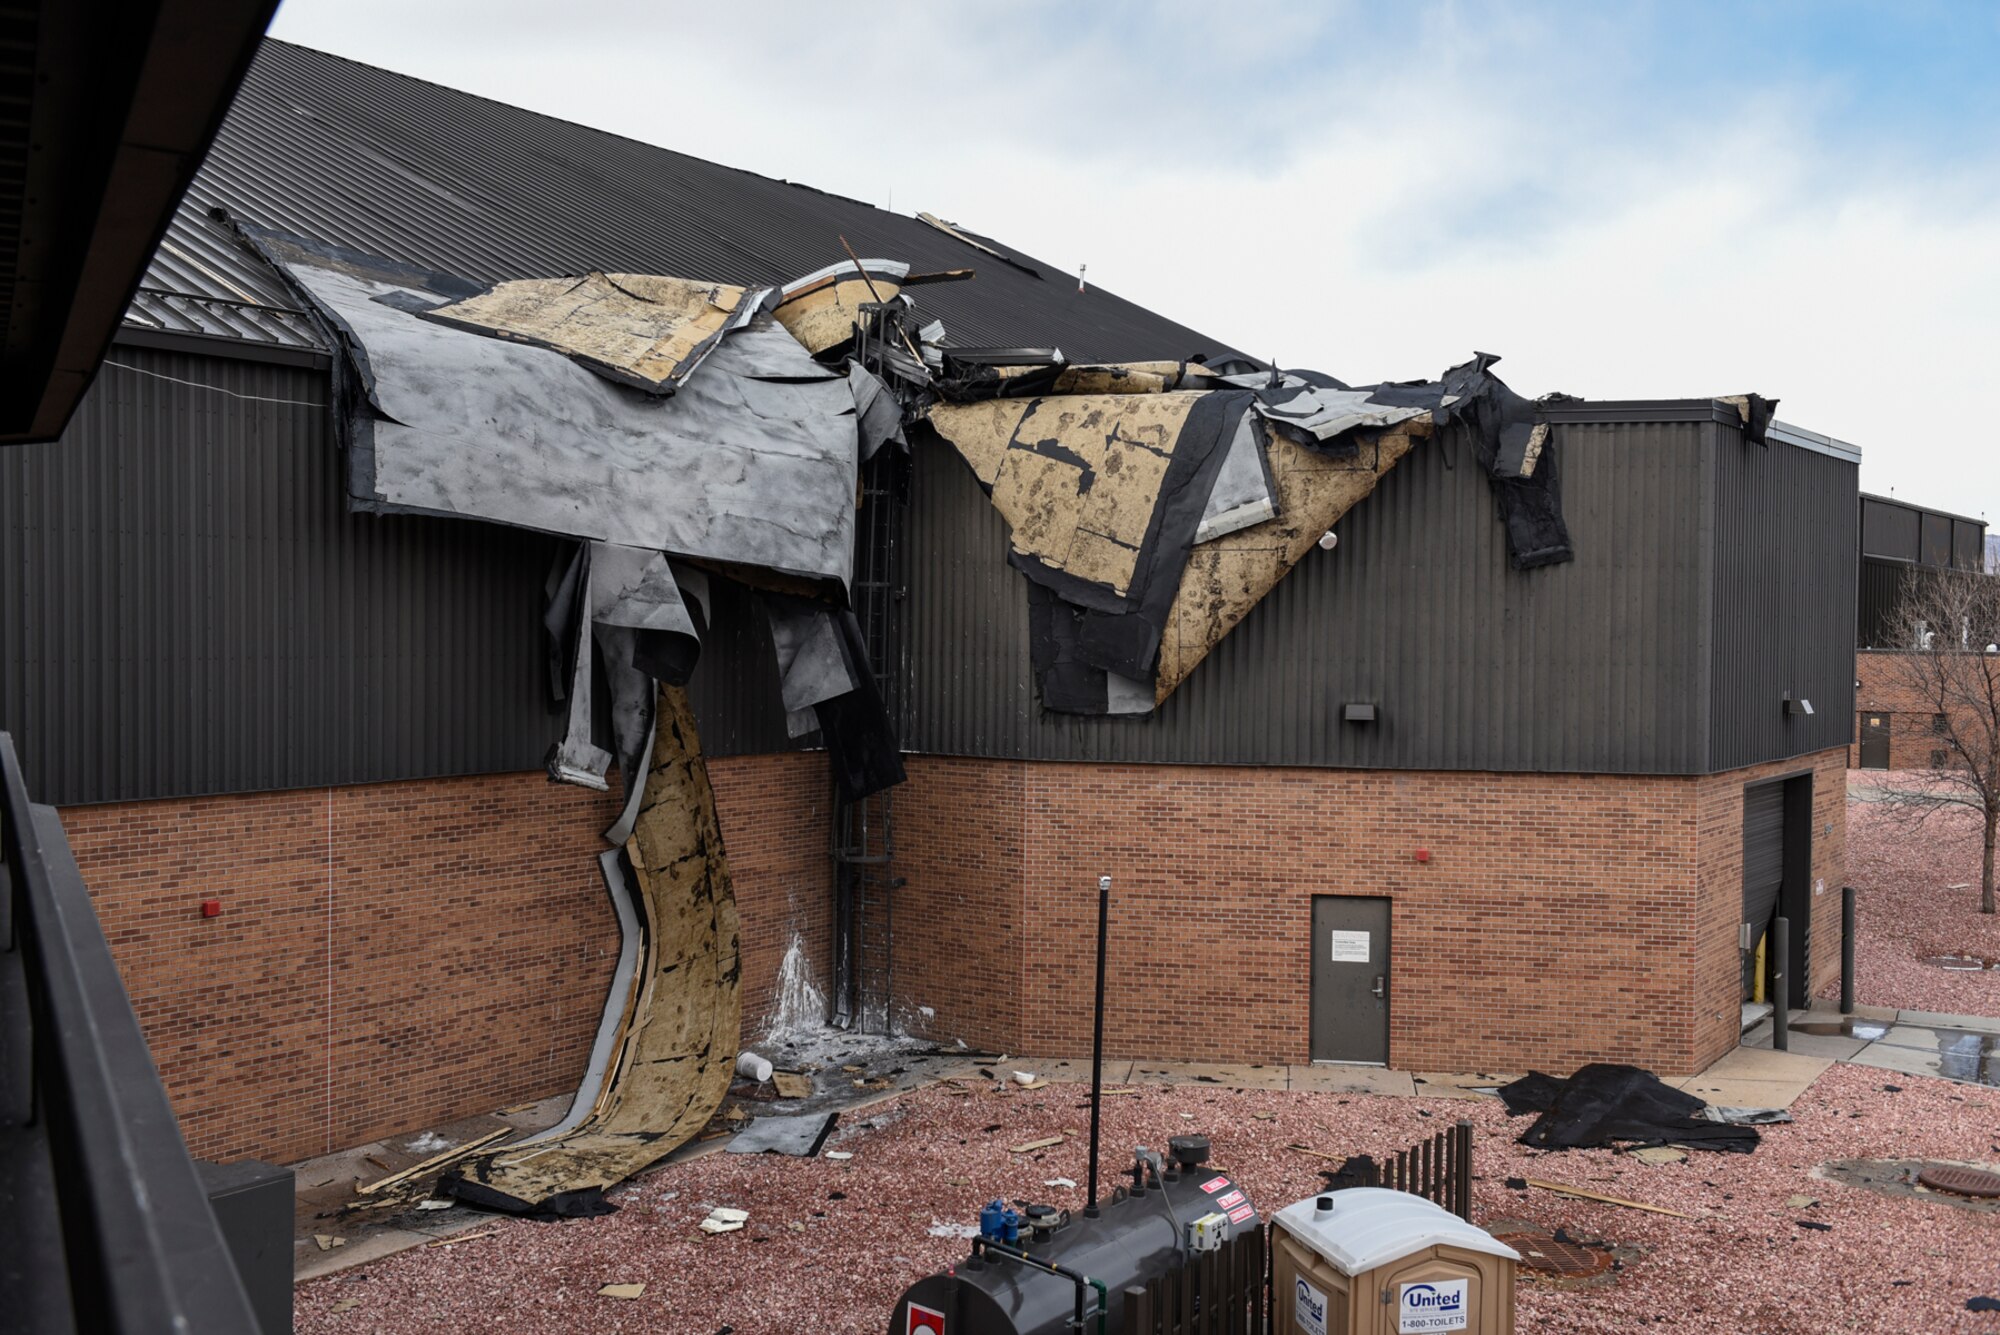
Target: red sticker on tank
<point>924,1319</point>
<point>1241,1213</point>
<point>1229,1202</point>
<point>1214,1185</point>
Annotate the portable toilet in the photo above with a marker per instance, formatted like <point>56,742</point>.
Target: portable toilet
<point>1367,1261</point>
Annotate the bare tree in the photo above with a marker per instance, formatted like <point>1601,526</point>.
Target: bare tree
<point>1948,624</point>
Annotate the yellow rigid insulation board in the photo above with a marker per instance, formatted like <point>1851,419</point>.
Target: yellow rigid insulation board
<point>653,330</point>
<point>1228,576</point>
<point>1076,476</point>
<point>823,314</point>
<point>674,1059</point>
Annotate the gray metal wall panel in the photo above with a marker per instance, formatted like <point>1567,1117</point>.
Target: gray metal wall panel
<point>1785,592</point>
<point>190,608</point>
<point>1592,666</point>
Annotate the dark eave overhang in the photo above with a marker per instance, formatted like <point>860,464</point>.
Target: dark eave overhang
<point>106,109</point>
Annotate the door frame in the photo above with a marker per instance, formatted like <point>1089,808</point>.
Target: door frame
<point>1388,980</point>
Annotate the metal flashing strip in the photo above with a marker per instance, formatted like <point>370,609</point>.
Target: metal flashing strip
<point>1827,445</point>
<point>1642,410</point>
<point>219,345</point>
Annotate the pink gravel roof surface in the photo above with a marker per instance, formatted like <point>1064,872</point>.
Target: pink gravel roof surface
<point>831,1244</point>
<point>1906,912</point>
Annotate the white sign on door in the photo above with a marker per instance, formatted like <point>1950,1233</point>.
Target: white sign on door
<point>1309,1309</point>
<point>1436,1304</point>
<point>1350,947</point>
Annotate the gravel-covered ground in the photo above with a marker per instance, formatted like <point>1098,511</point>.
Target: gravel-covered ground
<point>831,1244</point>
<point>1907,911</point>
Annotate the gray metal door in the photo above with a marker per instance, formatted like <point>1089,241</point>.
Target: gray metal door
<point>1874,741</point>
<point>1350,979</point>
<point>1763,865</point>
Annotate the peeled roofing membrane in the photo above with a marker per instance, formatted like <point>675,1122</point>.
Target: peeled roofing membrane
<point>1225,578</point>
<point>675,1051</point>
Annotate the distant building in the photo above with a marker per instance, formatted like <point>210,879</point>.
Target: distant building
<point>1891,729</point>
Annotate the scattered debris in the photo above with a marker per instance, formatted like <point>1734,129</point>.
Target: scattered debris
<point>724,1219</point>
<point>840,1154</point>
<point>1042,1144</point>
<point>464,1237</point>
<point>625,1291</point>
<point>1606,1104</point>
<point>791,1085</point>
<point>1745,1116</point>
<point>1801,1202</point>
<point>327,1242</point>
<point>1059,1182</point>
<point>754,1067</point>
<point>1318,1154</point>
<point>1583,1194</point>
<point>1813,1224</point>
<point>1658,1154</point>
<point>435,1161</point>
<point>801,1135</point>
<point>430,1142</point>
<point>434,1205</point>
<point>1982,1304</point>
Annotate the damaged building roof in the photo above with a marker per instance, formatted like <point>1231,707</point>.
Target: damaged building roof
<point>321,146</point>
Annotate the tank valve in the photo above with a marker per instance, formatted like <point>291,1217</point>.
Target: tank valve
<point>999,1223</point>
<point>1190,1152</point>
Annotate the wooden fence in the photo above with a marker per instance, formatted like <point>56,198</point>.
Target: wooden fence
<point>1438,1168</point>
<point>1222,1292</point>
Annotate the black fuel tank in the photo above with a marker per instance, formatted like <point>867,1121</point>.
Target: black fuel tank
<point>1133,1239</point>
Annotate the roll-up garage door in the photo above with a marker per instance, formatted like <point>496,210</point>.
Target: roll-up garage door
<point>1763,852</point>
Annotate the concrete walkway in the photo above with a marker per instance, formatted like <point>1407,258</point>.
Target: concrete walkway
<point>1965,1048</point>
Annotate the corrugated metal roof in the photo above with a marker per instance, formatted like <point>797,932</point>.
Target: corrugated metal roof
<point>345,152</point>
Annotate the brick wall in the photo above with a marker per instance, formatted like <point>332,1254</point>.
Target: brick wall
<point>1911,740</point>
<point>393,956</point>
<point>1560,919</point>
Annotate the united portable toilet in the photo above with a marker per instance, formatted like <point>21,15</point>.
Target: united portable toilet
<point>1368,1261</point>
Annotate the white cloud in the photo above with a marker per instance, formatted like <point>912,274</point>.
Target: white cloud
<point>1374,205</point>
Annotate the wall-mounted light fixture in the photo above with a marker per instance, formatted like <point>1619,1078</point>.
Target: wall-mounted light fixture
<point>1357,713</point>
<point>1798,706</point>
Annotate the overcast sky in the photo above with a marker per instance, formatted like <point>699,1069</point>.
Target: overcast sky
<point>1799,200</point>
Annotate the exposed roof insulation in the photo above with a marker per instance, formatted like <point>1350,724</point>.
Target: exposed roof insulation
<point>1152,505</point>
<point>641,329</point>
<point>680,1016</point>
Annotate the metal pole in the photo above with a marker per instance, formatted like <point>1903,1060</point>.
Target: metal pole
<point>1781,959</point>
<point>1097,1039</point>
<point>1847,950</point>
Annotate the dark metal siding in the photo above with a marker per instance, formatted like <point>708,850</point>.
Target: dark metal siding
<point>189,608</point>
<point>1785,595</point>
<point>1599,665</point>
<point>1881,593</point>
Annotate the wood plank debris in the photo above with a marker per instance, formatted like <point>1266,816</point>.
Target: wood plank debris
<point>435,1161</point>
<point>1583,1194</point>
<point>1044,1143</point>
